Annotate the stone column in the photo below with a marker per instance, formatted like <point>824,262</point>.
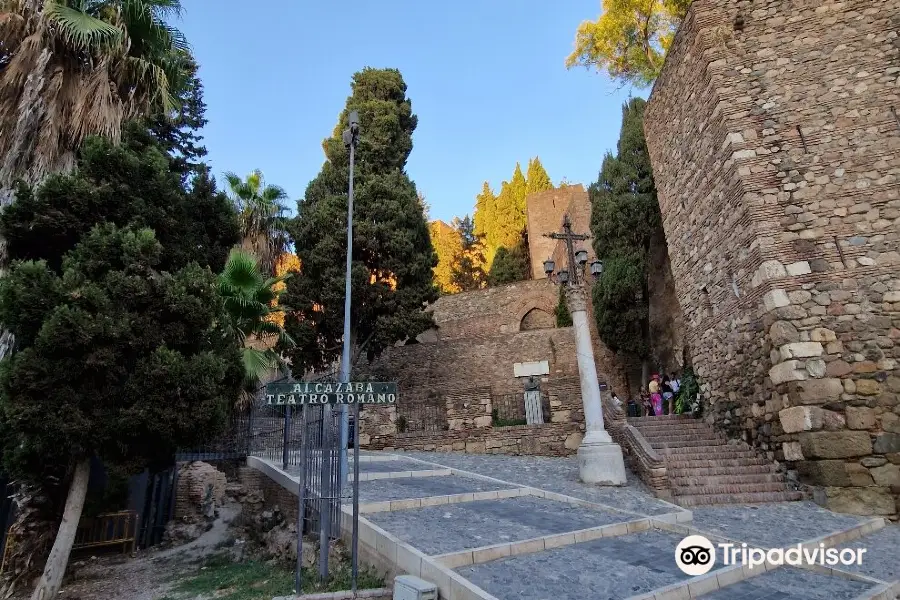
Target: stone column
<point>599,459</point>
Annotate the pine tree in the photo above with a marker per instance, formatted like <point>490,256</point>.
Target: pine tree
<point>625,216</point>
<point>537,177</point>
<point>179,131</point>
<point>509,266</point>
<point>467,271</point>
<point>393,257</point>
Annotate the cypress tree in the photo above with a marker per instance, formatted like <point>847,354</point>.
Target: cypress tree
<point>537,177</point>
<point>448,246</point>
<point>467,271</point>
<point>625,215</point>
<point>393,257</point>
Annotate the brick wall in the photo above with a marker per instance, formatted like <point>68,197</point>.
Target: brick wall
<point>544,213</point>
<point>469,425</point>
<point>776,157</point>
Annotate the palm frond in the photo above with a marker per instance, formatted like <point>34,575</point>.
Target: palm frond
<point>79,29</point>
<point>257,363</point>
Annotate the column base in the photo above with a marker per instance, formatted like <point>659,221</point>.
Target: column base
<point>601,464</point>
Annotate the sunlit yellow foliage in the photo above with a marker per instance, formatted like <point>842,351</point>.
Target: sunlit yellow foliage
<point>500,219</point>
<point>384,277</point>
<point>629,40</point>
<point>448,245</point>
<point>286,263</point>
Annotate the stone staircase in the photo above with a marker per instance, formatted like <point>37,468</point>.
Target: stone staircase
<point>704,468</point>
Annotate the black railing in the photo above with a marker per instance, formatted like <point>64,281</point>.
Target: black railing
<point>428,416</point>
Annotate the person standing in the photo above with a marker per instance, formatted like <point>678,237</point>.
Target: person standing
<point>667,393</point>
<point>655,396</point>
<point>675,384</point>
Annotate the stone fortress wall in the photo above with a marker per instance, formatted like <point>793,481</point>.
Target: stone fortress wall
<point>775,144</point>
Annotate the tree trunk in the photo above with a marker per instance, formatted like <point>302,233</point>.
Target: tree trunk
<point>51,580</point>
<point>29,538</point>
<point>645,372</point>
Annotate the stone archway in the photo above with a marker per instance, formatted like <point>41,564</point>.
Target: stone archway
<point>537,318</point>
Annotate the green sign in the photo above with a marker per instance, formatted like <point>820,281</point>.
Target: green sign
<point>317,392</point>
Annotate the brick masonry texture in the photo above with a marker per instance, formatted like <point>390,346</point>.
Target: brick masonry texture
<point>776,153</point>
<point>544,213</point>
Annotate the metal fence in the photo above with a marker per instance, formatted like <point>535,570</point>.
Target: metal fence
<point>509,409</point>
<point>428,415</point>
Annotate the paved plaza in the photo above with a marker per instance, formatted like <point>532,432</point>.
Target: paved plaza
<point>525,528</point>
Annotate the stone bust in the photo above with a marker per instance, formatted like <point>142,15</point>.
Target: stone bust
<point>532,384</point>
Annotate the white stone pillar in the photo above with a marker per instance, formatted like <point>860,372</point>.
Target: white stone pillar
<point>599,458</point>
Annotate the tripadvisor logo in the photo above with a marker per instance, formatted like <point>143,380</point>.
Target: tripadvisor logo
<point>695,555</point>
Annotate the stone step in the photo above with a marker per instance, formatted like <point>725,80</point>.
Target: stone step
<point>689,443</point>
<point>730,488</point>
<point>711,454</point>
<point>745,498</point>
<point>663,419</point>
<point>687,463</point>
<point>675,430</point>
<point>691,452</point>
<point>718,471</point>
<point>683,481</point>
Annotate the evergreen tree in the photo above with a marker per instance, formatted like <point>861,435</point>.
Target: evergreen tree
<point>625,216</point>
<point>537,177</point>
<point>485,219</point>
<point>178,131</point>
<point>509,266</point>
<point>120,354</point>
<point>393,255</point>
<point>563,316</point>
<point>448,246</point>
<point>467,271</point>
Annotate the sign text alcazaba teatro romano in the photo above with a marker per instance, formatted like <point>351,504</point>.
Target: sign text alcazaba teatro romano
<point>306,392</point>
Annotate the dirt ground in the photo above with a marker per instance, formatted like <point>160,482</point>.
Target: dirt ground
<point>146,576</point>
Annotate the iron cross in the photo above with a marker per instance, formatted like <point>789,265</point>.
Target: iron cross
<point>570,239</point>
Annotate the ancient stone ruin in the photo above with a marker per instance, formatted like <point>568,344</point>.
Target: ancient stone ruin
<point>775,142</point>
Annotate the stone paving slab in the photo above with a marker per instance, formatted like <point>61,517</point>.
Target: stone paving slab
<point>558,475</point>
<point>380,466</point>
<point>771,525</point>
<point>790,583</point>
<point>604,569</point>
<point>455,527</point>
<point>882,557</point>
<point>380,490</point>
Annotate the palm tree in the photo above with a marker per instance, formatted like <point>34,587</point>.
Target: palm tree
<point>74,68</point>
<point>248,297</point>
<point>261,211</point>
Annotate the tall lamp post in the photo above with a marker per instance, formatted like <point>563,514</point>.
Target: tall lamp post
<point>599,458</point>
<point>351,140</point>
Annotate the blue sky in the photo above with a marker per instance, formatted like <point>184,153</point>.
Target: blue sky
<point>486,79</point>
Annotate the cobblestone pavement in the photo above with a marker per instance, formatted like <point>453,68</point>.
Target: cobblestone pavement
<point>789,583</point>
<point>771,525</point>
<point>455,527</point>
<point>882,557</point>
<point>552,474</point>
<point>610,568</point>
<point>380,490</point>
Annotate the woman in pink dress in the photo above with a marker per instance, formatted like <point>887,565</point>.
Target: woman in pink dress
<point>655,397</point>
